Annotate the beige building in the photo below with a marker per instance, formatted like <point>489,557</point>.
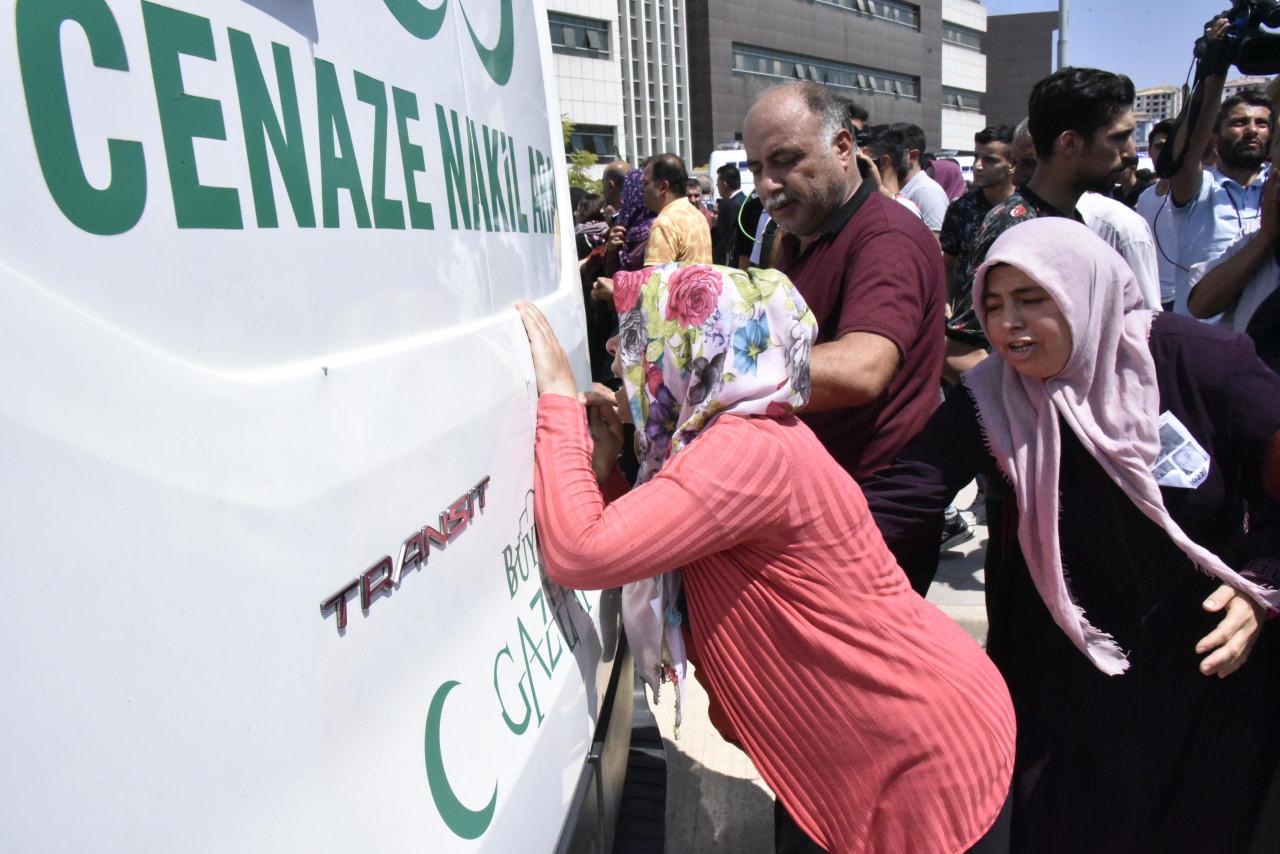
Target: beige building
<point>1159,102</point>
<point>1238,85</point>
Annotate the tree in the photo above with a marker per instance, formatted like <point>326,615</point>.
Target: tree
<point>579,161</point>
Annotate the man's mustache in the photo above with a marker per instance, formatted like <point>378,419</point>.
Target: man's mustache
<point>778,199</point>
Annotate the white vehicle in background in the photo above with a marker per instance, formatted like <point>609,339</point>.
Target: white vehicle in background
<point>963,159</point>
<point>736,155</point>
<point>266,427</point>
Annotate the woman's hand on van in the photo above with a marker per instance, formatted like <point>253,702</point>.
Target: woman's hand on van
<point>550,364</point>
<point>1230,643</point>
<point>606,430</point>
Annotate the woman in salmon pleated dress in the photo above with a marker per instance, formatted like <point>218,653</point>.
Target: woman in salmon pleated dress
<point>880,725</point>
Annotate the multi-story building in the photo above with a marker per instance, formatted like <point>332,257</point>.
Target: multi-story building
<point>1159,102</point>
<point>588,61</point>
<point>622,74</point>
<point>964,73</point>
<point>640,77</point>
<point>655,77</point>
<point>889,55</point>
<point>1019,51</point>
<point>1239,84</point>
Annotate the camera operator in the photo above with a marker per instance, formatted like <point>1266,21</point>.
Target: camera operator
<point>1236,283</point>
<point>1211,207</point>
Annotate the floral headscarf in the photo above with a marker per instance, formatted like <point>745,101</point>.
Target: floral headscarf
<point>697,342</point>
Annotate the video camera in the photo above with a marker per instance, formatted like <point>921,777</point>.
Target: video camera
<point>1246,45</point>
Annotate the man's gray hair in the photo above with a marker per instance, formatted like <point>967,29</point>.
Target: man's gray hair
<point>831,109</point>
<point>1023,128</point>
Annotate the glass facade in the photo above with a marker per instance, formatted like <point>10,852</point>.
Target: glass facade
<point>579,36</point>
<point>600,140</point>
<point>961,99</point>
<point>655,77</point>
<point>962,36</point>
<point>789,66</point>
<point>903,14</point>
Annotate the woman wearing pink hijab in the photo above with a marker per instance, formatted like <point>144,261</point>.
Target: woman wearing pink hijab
<point>949,176</point>
<point>878,723</point>
<point>1126,587</point>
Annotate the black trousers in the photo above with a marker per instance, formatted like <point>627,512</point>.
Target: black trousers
<point>788,838</point>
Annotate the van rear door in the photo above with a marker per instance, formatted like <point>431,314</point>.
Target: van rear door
<point>266,425</point>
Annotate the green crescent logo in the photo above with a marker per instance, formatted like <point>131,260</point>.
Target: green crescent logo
<point>420,21</point>
<point>467,823</point>
<point>498,60</point>
<point>424,23</point>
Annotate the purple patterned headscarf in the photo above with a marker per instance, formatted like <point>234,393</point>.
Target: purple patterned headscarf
<point>636,217</point>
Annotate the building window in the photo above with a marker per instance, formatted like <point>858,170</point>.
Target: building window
<point>962,36</point>
<point>962,99</point>
<point>579,36</point>
<point>892,11</point>
<point>600,140</point>
<point>790,66</point>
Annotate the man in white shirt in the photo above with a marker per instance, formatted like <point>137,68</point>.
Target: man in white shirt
<point>1235,283</point>
<point>1154,206</point>
<point>886,147</point>
<point>924,192</point>
<point>1211,207</point>
<point>1084,119</point>
<point>1129,234</point>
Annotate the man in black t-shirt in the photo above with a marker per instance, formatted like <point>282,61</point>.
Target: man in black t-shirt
<point>1082,125</point>
<point>992,184</point>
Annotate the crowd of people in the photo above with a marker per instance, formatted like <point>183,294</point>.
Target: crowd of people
<point>792,389</point>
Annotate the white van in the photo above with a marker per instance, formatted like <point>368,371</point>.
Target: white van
<point>737,156</point>
<point>266,425</point>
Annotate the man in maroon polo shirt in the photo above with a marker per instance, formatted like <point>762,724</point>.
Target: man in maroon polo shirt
<point>870,270</point>
<point>872,273</point>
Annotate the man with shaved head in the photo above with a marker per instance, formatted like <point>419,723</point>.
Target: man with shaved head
<point>869,269</point>
<point>611,185</point>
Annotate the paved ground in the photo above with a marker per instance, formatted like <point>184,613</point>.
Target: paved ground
<point>716,802</point>
<point>958,587</point>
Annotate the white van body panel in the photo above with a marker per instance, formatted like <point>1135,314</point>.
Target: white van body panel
<point>207,431</point>
<point>720,157</point>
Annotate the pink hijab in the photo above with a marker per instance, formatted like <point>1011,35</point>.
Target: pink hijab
<point>949,176</point>
<point>1107,395</point>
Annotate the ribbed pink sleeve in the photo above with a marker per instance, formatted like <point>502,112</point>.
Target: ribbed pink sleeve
<point>714,494</point>
<point>878,723</point>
